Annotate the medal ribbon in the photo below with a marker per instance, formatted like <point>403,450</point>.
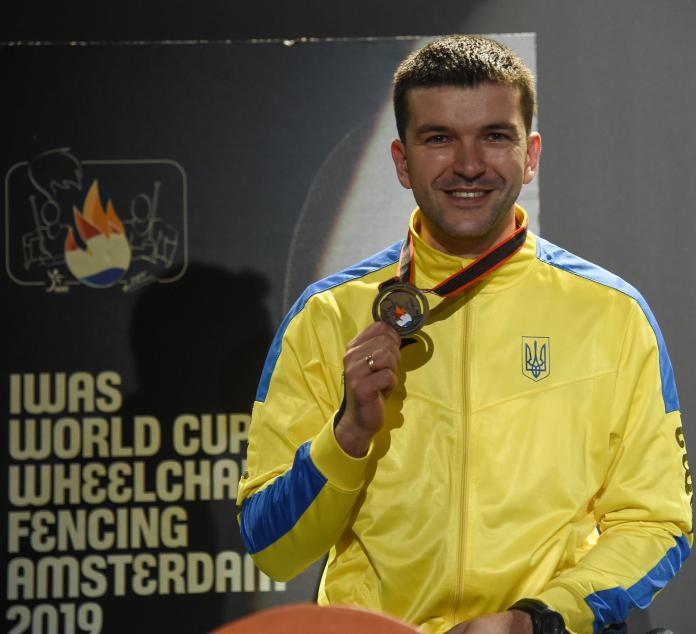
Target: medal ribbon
<point>496,256</point>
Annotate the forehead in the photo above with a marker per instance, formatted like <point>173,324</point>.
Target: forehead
<point>457,106</point>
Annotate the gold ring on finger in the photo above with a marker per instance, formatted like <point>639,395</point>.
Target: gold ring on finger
<point>370,363</point>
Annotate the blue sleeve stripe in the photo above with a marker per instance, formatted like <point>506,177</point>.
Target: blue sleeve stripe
<point>272,512</point>
<point>612,605</point>
<point>378,261</point>
<point>562,259</point>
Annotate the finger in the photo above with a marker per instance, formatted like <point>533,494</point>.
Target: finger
<point>382,358</point>
<point>376,329</point>
<point>388,357</point>
<point>378,342</point>
<point>388,382</point>
<point>371,358</point>
<point>368,387</point>
<point>385,381</point>
<point>360,364</point>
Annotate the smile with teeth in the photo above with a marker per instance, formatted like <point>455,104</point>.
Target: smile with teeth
<point>460,194</point>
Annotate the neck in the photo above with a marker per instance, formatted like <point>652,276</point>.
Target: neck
<point>466,247</point>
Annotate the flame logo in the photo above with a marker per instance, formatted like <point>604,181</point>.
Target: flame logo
<point>107,253</point>
<point>403,317</point>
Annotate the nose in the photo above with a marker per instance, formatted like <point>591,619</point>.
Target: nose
<point>468,161</point>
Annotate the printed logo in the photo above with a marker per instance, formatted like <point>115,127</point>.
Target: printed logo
<point>95,223</point>
<point>403,317</point>
<point>536,357</point>
<point>688,481</point>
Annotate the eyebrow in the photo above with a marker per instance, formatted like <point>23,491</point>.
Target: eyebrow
<point>427,128</point>
<point>501,125</point>
<point>431,127</point>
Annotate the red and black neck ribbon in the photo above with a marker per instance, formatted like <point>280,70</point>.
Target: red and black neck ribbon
<point>487,262</point>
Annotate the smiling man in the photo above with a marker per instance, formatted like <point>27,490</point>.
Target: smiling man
<point>480,429</point>
<point>466,154</point>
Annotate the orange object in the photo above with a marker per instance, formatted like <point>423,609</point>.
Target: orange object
<point>307,618</point>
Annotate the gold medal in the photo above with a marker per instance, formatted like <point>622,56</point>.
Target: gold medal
<point>403,306</point>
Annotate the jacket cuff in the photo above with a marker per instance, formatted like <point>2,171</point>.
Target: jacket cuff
<point>577,615</point>
<point>341,469</point>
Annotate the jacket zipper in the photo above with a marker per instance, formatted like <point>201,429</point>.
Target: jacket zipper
<point>461,557</point>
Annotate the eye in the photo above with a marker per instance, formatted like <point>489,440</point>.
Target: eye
<point>497,137</point>
<point>437,139</point>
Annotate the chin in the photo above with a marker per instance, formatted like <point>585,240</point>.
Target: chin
<point>468,232</point>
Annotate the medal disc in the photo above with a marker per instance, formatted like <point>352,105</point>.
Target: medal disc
<point>403,306</point>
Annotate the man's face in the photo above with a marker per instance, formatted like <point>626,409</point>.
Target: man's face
<point>466,156</point>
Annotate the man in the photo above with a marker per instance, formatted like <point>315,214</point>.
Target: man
<point>516,465</point>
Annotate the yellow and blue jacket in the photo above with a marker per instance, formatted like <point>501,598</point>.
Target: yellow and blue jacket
<point>533,448</point>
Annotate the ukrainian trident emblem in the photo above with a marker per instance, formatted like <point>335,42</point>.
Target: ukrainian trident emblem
<point>536,357</point>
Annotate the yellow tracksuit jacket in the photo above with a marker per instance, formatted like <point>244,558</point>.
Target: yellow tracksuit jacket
<point>533,448</point>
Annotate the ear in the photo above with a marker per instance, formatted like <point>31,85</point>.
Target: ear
<point>398,152</point>
<point>531,162</point>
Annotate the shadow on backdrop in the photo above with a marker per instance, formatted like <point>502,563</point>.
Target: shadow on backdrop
<point>199,346</point>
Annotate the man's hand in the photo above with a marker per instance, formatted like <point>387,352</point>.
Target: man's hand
<point>369,365</point>
<point>510,622</point>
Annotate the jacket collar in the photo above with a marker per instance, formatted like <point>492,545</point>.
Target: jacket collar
<point>433,266</point>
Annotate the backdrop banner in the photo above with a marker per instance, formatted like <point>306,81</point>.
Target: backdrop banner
<point>164,204</point>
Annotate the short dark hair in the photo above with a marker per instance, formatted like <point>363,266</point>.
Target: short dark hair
<point>462,60</point>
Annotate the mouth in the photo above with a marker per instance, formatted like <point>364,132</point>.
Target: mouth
<point>468,196</point>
